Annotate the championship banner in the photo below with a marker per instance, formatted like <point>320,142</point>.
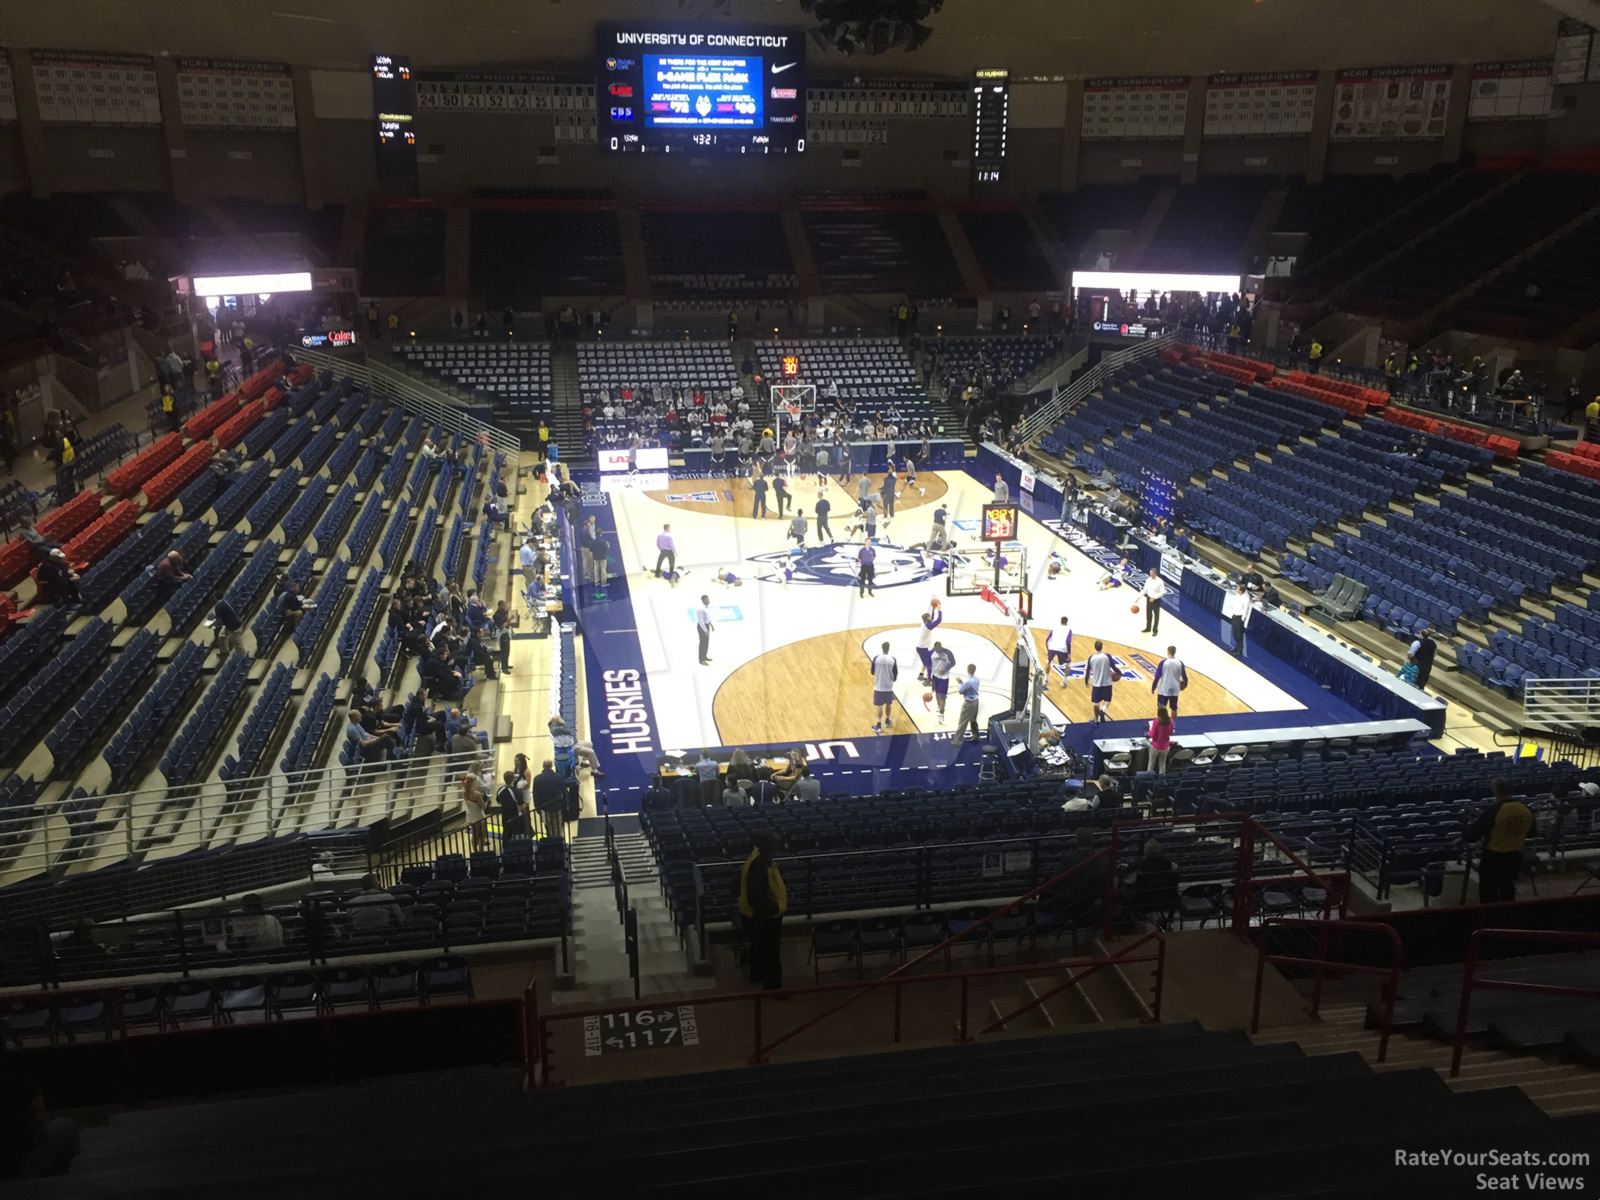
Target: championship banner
<point>1139,108</point>
<point>1262,104</point>
<point>227,93</point>
<point>1511,91</point>
<point>77,88</point>
<point>1390,104</point>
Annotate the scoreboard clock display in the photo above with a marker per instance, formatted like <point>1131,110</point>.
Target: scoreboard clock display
<point>394,106</point>
<point>790,365</point>
<point>700,90</point>
<point>999,522</point>
<point>991,117</point>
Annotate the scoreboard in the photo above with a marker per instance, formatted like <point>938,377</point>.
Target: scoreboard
<point>394,107</point>
<point>700,90</point>
<point>991,117</point>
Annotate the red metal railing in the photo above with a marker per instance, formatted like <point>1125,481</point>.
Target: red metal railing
<point>1107,853</point>
<point>1245,884</point>
<point>1321,964</point>
<point>1559,937</point>
<point>536,1035</point>
<point>1073,981</point>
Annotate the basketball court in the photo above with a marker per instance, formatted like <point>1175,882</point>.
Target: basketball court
<point>794,637</point>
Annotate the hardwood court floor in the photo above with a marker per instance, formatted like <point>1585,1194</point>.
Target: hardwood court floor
<point>731,497</point>
<point>821,687</point>
<point>789,662</point>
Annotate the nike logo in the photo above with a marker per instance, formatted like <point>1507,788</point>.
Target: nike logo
<point>777,70</point>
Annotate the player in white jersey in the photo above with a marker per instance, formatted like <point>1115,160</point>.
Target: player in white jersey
<point>884,672</point>
<point>1098,675</point>
<point>1170,679</point>
<point>1058,649</point>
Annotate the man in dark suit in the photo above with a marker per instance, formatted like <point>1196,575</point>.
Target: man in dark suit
<point>549,794</point>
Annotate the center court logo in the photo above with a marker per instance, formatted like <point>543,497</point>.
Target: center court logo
<point>839,566</point>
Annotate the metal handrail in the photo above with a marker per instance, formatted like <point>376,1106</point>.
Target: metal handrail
<point>174,820</point>
<point>1069,396</point>
<point>1321,963</point>
<point>537,1064</point>
<point>412,394</point>
<point>1073,981</point>
<point>1103,852</point>
<point>1469,982</point>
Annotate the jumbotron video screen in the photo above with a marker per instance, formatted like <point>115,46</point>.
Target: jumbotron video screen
<point>672,89</point>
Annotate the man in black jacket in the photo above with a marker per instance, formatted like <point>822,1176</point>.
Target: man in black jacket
<point>513,821</point>
<point>1421,653</point>
<point>549,794</point>
<point>763,899</point>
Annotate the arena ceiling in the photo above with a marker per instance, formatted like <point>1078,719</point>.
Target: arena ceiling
<point>1030,37</point>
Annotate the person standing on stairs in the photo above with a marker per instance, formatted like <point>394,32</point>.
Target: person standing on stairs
<point>549,795</point>
<point>1504,828</point>
<point>1420,655</point>
<point>763,899</point>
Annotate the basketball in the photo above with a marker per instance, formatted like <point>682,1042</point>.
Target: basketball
<point>927,697</point>
<point>1134,610</point>
<point>933,603</point>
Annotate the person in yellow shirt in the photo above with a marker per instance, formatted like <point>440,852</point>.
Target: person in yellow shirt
<point>763,899</point>
<point>1591,417</point>
<point>394,325</point>
<point>1504,828</point>
<point>1316,356</point>
<point>169,409</point>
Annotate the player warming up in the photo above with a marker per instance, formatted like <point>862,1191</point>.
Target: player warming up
<point>1098,676</point>
<point>1058,649</point>
<point>884,673</point>
<point>931,620</point>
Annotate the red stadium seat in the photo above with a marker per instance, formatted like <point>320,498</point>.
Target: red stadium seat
<point>94,542</point>
<point>236,426</point>
<point>160,490</point>
<point>125,480</point>
<point>204,423</point>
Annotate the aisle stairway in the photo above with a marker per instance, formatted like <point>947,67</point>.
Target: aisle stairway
<point>1167,1109</point>
<point>600,960</point>
<point>567,424</point>
<point>1558,1087</point>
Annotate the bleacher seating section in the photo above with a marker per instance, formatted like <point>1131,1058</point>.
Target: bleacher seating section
<point>404,250</point>
<point>1343,207</point>
<point>512,375</point>
<point>736,252</point>
<point>1457,555</point>
<point>1007,252</point>
<point>1339,806</point>
<point>1235,1118</point>
<point>863,244</point>
<point>1378,238</point>
<point>615,371</point>
<point>862,368</point>
<point>1532,207</point>
<point>525,249</point>
<point>1204,229</point>
<point>1075,217</point>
